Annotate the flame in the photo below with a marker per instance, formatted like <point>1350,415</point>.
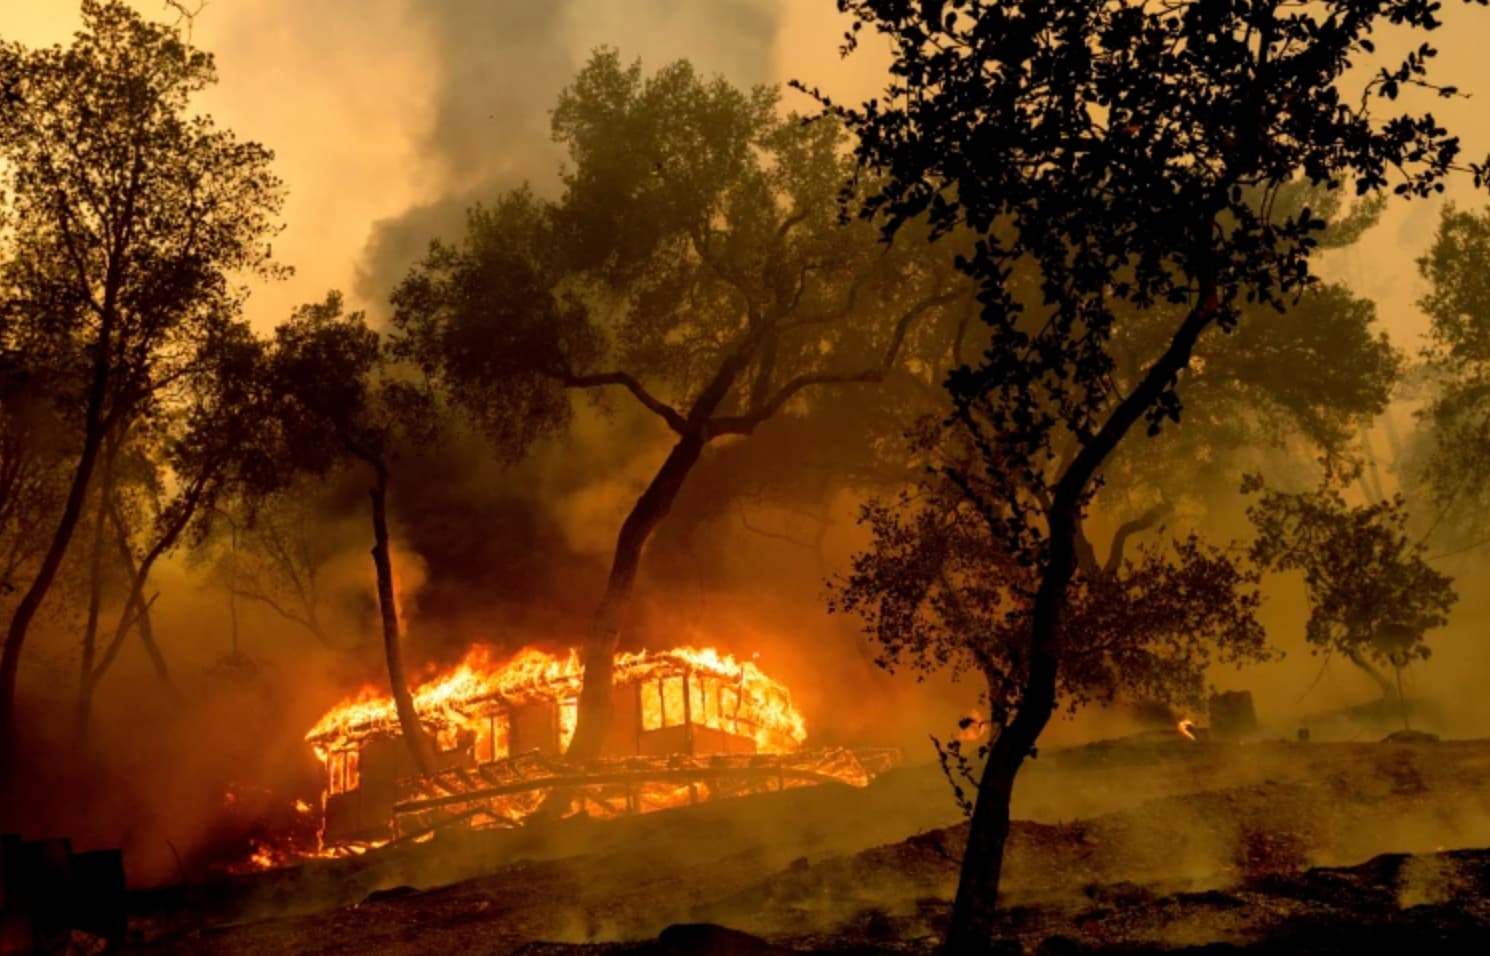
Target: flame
<point>458,708</point>
<point>467,711</point>
<point>973,726</point>
<point>1186,727</point>
<point>445,704</point>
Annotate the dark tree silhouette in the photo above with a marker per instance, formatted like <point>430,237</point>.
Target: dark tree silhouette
<point>338,402</point>
<point>164,477</point>
<point>1103,154</point>
<point>1453,458</point>
<point>1372,596</point>
<point>125,216</point>
<point>697,263</point>
<point>936,590</point>
<point>272,550</point>
<point>1288,385</point>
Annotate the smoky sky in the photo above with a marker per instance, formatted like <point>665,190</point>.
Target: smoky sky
<point>498,67</point>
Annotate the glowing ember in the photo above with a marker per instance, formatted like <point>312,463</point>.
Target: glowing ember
<point>973,726</point>
<point>1186,727</point>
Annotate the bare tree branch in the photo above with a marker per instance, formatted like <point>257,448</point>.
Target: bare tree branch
<point>747,423</point>
<point>284,612</point>
<point>653,404</point>
<point>112,651</point>
<point>1131,527</point>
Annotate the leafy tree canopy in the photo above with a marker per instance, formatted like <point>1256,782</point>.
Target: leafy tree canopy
<point>1110,157</point>
<point>697,260</point>
<point>1371,593</point>
<point>1453,460</point>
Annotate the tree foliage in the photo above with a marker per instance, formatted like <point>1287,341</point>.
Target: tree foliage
<point>1371,593</point>
<point>697,243</point>
<point>126,223</point>
<point>696,261</point>
<point>1455,462</point>
<point>1111,157</point>
<point>935,590</point>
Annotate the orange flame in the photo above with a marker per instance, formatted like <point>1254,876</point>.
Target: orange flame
<point>447,704</point>
<point>698,686</point>
<point>1186,727</point>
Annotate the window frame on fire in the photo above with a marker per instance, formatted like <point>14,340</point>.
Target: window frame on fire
<point>722,698</point>
<point>496,718</point>
<point>657,688</point>
<point>343,770</point>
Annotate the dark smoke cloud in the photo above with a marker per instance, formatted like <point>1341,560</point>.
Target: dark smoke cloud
<point>501,65</point>
<point>498,541</point>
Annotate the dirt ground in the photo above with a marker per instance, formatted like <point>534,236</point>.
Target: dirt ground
<point>1144,845</point>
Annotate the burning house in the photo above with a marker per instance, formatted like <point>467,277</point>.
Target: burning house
<point>689,725</point>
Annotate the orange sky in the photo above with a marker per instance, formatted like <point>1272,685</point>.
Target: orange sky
<point>344,102</point>
<point>346,92</point>
<point>342,90</point>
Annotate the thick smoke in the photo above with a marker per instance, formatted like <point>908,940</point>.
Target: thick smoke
<point>454,97</point>
<point>498,67</point>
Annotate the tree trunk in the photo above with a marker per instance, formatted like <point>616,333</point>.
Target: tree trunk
<point>94,429</point>
<point>146,629</point>
<point>971,927</point>
<point>1383,683</point>
<point>30,603</point>
<point>595,705</point>
<point>86,679</point>
<point>84,705</point>
<point>136,612</point>
<point>408,718</point>
<point>1401,697</point>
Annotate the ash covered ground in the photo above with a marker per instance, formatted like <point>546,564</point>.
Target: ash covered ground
<point>1148,844</point>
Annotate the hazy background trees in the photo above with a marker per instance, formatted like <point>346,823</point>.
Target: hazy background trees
<point>1372,596</point>
<point>696,264</point>
<point>126,218</point>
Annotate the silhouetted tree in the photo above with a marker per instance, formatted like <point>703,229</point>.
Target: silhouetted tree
<point>35,465</point>
<point>1453,459</point>
<point>696,262</point>
<point>211,436</point>
<point>339,402</point>
<point>1103,153</point>
<point>272,550</point>
<point>937,590</point>
<point>1372,596</point>
<point>1291,384</point>
<point>124,217</point>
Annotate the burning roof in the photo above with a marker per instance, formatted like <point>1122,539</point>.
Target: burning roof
<point>481,684</point>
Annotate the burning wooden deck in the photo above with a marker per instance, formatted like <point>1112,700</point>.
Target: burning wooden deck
<point>507,792</point>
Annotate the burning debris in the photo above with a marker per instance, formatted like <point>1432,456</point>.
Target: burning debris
<point>690,725</point>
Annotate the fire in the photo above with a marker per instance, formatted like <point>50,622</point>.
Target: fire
<point>1186,727</point>
<point>691,724</point>
<point>443,703</point>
